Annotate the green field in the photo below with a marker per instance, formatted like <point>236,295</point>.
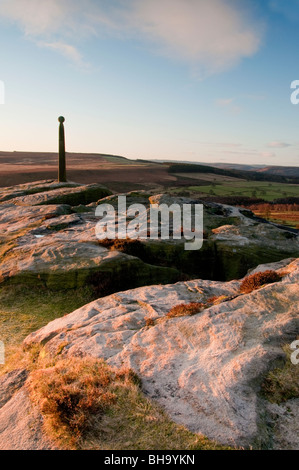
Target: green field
<point>257,189</point>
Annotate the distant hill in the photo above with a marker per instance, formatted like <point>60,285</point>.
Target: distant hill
<point>281,170</point>
<point>287,171</point>
<point>124,174</point>
<point>119,173</point>
<point>256,175</point>
<point>273,170</point>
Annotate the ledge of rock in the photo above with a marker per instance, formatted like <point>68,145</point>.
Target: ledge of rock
<point>50,192</point>
<point>44,241</point>
<point>48,238</point>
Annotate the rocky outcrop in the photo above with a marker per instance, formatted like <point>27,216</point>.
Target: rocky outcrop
<point>47,237</point>
<point>205,370</point>
<point>55,246</point>
<point>62,252</point>
<point>52,192</point>
<point>234,240</point>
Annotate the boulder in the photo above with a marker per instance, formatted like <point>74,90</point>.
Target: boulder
<point>205,370</point>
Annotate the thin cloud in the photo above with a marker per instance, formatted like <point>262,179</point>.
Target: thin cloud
<point>230,145</point>
<point>279,145</point>
<point>223,144</point>
<point>267,154</point>
<point>211,36</point>
<point>224,102</point>
<point>40,18</point>
<point>229,104</point>
<point>214,35</point>
<point>53,24</point>
<point>256,97</point>
<point>66,50</point>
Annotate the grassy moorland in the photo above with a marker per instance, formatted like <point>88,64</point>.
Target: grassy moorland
<point>24,310</point>
<point>226,186</point>
<point>257,189</point>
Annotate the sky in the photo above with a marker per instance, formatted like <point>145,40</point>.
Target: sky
<point>191,80</point>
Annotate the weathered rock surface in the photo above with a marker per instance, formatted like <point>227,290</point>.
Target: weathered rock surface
<point>21,425</point>
<point>54,246</point>
<point>20,420</point>
<point>205,370</point>
<point>47,237</point>
<point>52,192</point>
<point>285,424</point>
<point>234,240</point>
<point>10,383</point>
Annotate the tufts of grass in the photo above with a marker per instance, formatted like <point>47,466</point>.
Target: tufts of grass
<point>70,394</point>
<point>85,404</point>
<point>185,310</point>
<point>149,322</point>
<point>88,405</point>
<point>216,300</point>
<point>255,281</point>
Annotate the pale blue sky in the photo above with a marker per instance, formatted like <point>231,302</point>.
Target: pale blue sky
<point>196,80</point>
